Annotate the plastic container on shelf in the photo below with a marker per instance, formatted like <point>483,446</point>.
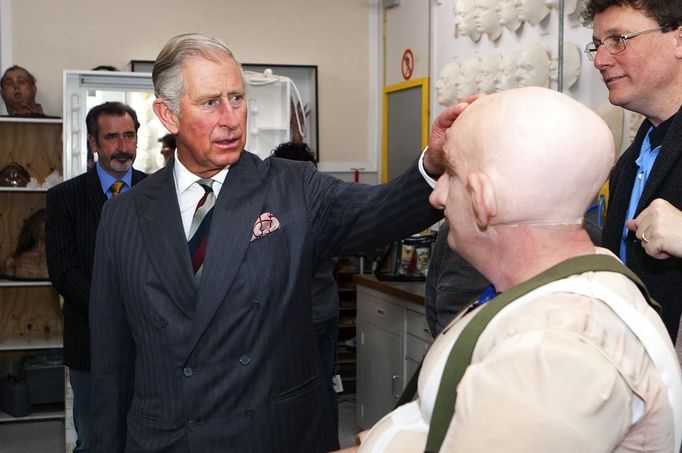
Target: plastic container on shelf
<point>45,378</point>
<point>14,397</point>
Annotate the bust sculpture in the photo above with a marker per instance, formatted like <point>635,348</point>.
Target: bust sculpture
<point>572,66</point>
<point>489,68</point>
<point>509,14</point>
<point>469,68</point>
<point>532,67</point>
<point>534,11</point>
<point>486,19</point>
<point>506,74</point>
<point>446,85</point>
<point>464,19</point>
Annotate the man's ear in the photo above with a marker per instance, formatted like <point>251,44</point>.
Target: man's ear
<point>678,38</point>
<point>93,143</point>
<point>482,195</point>
<point>165,115</point>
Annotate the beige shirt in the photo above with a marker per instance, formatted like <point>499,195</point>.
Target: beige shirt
<point>561,374</point>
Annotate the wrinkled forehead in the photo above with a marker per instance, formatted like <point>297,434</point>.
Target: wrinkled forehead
<point>16,74</point>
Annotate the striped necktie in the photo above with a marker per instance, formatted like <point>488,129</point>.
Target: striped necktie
<point>115,188</point>
<point>201,222</point>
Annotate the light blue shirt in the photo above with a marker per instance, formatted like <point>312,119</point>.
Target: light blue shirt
<point>107,180</point>
<point>645,161</point>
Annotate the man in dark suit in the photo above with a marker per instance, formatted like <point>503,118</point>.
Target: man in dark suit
<point>216,352</point>
<point>636,48</point>
<point>72,216</point>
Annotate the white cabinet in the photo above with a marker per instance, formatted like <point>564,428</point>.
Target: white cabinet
<point>392,339</point>
<point>30,313</point>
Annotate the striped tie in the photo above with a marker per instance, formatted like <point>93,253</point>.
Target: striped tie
<point>115,188</point>
<point>201,222</point>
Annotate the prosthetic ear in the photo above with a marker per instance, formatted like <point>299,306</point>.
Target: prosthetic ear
<point>166,115</point>
<point>482,194</point>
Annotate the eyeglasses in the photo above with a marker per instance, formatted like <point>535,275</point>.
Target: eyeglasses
<point>616,44</point>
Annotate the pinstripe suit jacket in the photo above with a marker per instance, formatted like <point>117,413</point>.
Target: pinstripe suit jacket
<point>71,218</point>
<point>663,278</point>
<point>230,364</point>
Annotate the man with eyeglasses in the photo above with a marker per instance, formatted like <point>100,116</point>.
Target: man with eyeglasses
<point>637,48</point>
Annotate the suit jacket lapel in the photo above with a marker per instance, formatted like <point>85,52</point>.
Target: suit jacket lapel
<point>95,197</point>
<point>238,206</point>
<point>668,158</point>
<point>163,235</point>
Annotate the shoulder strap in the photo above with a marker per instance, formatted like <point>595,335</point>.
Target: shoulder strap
<point>462,351</point>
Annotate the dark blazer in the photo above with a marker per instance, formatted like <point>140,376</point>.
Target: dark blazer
<point>71,217</point>
<point>663,278</point>
<point>230,365</point>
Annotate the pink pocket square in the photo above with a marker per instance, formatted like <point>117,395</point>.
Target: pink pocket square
<point>265,224</point>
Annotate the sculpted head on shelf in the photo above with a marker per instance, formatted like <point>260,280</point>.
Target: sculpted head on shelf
<point>532,67</point>
<point>446,85</point>
<point>469,68</point>
<point>486,19</point>
<point>506,75</point>
<point>509,14</point>
<point>570,6</point>
<point>572,65</point>
<point>534,11</point>
<point>487,73</point>
<point>464,19</point>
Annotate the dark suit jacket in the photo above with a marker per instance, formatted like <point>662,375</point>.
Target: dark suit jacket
<point>663,278</point>
<point>231,365</point>
<point>71,217</point>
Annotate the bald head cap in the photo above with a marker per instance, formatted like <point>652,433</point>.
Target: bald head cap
<point>546,154</point>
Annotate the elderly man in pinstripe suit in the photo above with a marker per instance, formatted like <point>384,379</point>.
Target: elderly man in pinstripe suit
<point>215,351</point>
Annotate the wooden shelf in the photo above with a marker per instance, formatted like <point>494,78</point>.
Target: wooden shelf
<point>22,283</point>
<point>42,412</point>
<point>29,119</point>
<point>31,341</point>
<point>23,189</point>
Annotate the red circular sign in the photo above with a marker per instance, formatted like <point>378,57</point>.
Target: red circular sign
<point>407,64</point>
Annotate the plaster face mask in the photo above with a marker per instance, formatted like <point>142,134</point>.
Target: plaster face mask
<point>509,13</point>
<point>570,6</point>
<point>467,85</point>
<point>486,20</point>
<point>464,19</point>
<point>506,75</point>
<point>572,65</point>
<point>446,85</point>
<point>485,77</point>
<point>533,67</point>
<point>534,11</point>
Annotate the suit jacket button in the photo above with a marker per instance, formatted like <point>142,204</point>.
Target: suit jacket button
<point>187,372</point>
<point>245,359</point>
<point>191,425</point>
<point>249,413</point>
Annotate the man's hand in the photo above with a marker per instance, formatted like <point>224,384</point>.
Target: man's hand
<point>433,160</point>
<point>28,110</point>
<point>659,227</point>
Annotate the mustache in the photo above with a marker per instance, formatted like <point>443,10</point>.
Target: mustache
<point>122,155</point>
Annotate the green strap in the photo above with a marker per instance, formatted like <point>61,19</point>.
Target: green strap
<point>462,351</point>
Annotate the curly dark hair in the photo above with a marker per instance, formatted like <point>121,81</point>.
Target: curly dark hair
<point>294,151</point>
<point>665,12</point>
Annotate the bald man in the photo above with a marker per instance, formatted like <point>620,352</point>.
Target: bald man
<point>556,370</point>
